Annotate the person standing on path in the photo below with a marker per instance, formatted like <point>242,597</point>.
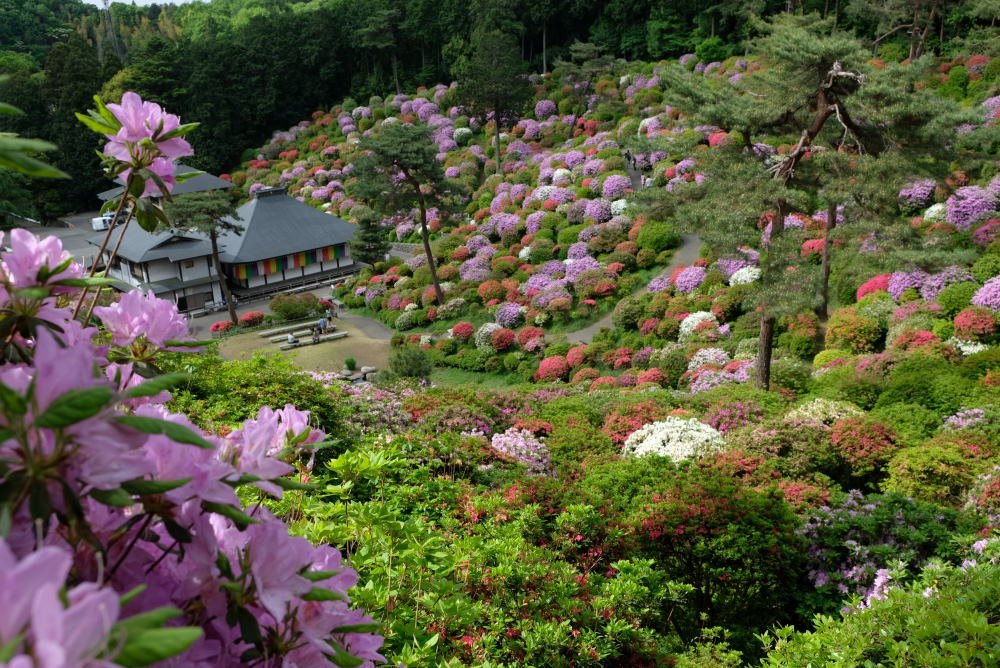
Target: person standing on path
<point>323,324</point>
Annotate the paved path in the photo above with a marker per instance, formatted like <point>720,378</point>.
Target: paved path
<point>685,255</point>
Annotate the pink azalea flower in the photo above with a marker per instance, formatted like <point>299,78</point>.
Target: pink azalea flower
<point>28,254</point>
<point>137,315</point>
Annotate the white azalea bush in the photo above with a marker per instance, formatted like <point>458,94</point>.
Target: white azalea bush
<point>967,347</point>
<point>691,322</point>
<point>826,411</point>
<point>708,356</point>
<point>674,437</point>
<point>745,276</point>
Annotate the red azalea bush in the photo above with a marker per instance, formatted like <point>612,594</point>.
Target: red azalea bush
<point>915,338</point>
<point>627,419</point>
<point>221,326</point>
<point>528,333</point>
<point>653,375</point>
<point>491,290</point>
<point>864,442</point>
<point>463,330</point>
<point>251,318</point>
<point>975,323</point>
<point>847,329</point>
<point>576,356</point>
<point>873,284</point>
<point>584,375</point>
<point>552,369</point>
<point>603,381</point>
<point>502,339</point>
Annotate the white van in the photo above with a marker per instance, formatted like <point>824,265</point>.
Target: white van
<point>102,223</point>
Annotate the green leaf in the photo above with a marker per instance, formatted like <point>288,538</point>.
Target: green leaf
<point>316,576</point>
<point>236,515</point>
<point>12,402</point>
<point>74,406</point>
<point>177,343</point>
<point>248,626</point>
<point>322,594</point>
<point>132,593</point>
<point>91,281</point>
<point>181,130</point>
<point>142,487</point>
<point>5,520</point>
<point>117,497</point>
<point>172,430</point>
<point>155,645</point>
<point>344,659</point>
<point>286,483</point>
<point>156,385</point>
<point>39,502</point>
<point>11,159</point>
<point>153,619</point>
<point>7,651</point>
<point>357,628</point>
<point>36,293</point>
<point>225,568</point>
<point>9,108</point>
<point>96,124</point>
<point>186,176</point>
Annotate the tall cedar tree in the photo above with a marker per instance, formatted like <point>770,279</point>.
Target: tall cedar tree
<point>491,81</point>
<point>370,243</point>
<point>399,171</point>
<point>208,212</point>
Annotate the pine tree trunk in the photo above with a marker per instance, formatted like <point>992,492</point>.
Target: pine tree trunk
<point>395,74</point>
<point>222,279</point>
<point>426,238</point>
<point>496,120</point>
<point>765,343</point>
<point>824,281</point>
<point>764,346</point>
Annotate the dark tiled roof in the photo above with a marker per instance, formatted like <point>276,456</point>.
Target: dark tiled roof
<point>196,184</point>
<point>275,224</point>
<point>142,246</point>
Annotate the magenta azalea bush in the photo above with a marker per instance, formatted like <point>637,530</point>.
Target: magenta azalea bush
<point>122,517</point>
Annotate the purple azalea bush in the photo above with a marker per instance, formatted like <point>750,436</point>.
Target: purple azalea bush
<point>969,205</point>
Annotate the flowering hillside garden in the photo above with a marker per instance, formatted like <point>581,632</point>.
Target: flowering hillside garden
<point>673,379</point>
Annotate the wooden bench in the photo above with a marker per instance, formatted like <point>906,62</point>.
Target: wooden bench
<point>300,333</point>
<point>284,329</point>
<point>309,342</point>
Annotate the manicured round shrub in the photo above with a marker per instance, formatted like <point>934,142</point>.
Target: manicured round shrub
<point>251,318</point>
<point>874,284</point>
<point>846,329</point>
<point>463,331</point>
<point>221,326</point>
<point>955,297</point>
<point>657,236</point>
<point>975,324</point>
<point>864,442</point>
<point>552,369</point>
<point>502,339</point>
<point>912,423</point>
<point>931,473</point>
<point>627,313</point>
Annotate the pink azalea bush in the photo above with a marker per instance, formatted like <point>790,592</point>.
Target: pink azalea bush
<point>113,495</point>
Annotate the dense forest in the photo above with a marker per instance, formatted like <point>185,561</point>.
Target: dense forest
<point>245,67</point>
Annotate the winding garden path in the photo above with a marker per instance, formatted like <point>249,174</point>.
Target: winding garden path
<point>686,254</point>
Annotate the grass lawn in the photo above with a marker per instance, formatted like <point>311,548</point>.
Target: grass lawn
<point>449,376</point>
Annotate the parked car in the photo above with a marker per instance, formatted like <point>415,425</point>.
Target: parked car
<point>102,223</point>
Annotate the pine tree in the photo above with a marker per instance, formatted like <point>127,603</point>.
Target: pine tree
<point>208,212</point>
<point>400,172</point>
<point>859,128</point>
<point>370,244</point>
